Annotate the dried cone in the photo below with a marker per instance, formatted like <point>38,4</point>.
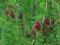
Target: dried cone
<point>6,12</point>
<point>47,21</point>
<point>12,14</point>
<point>10,6</point>
<point>37,25</point>
<point>20,15</point>
<point>43,30</point>
<point>33,32</point>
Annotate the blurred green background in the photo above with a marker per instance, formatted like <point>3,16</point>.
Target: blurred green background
<point>32,10</point>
